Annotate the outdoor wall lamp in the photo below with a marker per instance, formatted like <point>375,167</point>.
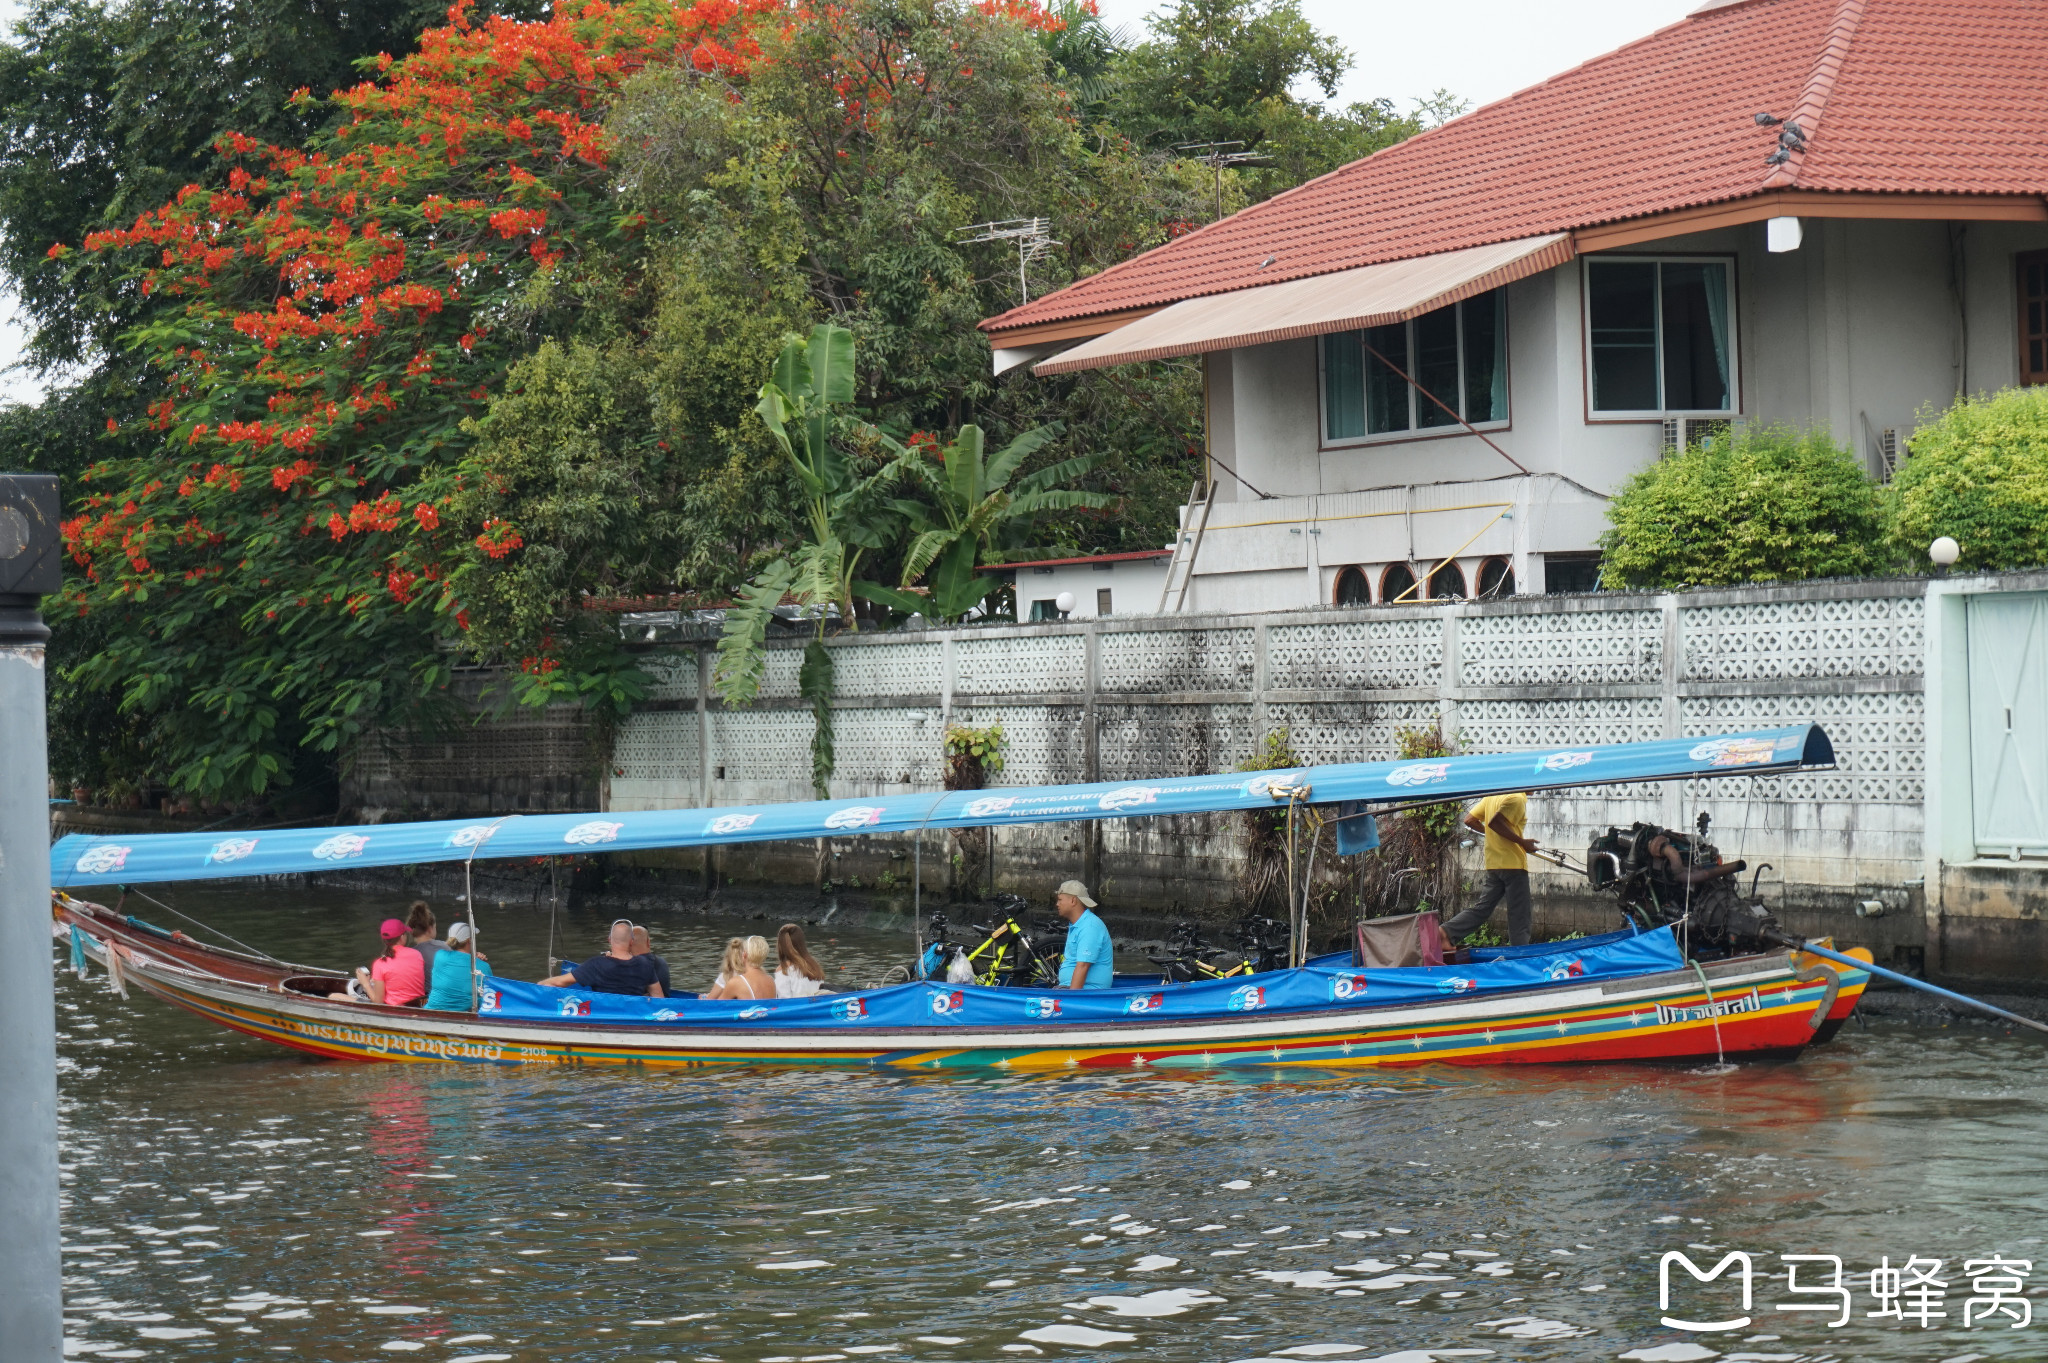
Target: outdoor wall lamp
<point>1782,234</point>
<point>1944,551</point>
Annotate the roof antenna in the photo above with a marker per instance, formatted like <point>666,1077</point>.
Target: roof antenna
<point>1032,235</point>
<point>1217,155</point>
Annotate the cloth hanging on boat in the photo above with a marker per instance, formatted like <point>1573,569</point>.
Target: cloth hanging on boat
<point>1406,940</point>
<point>929,1003</point>
<point>77,951</point>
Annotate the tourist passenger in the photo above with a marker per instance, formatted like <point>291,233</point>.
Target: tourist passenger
<point>419,933</point>
<point>1501,818</point>
<point>617,971</point>
<point>398,977</point>
<point>740,975</point>
<point>1086,963</point>
<point>452,990</point>
<point>643,945</point>
<point>797,973</point>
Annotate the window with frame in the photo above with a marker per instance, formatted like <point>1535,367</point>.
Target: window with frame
<point>1660,336</point>
<point>2033,281</point>
<point>1459,354</point>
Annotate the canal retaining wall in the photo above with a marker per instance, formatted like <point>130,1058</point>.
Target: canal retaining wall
<point>1880,851</point>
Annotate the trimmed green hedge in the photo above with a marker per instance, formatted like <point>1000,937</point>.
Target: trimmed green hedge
<point>1765,505</point>
<point>1978,472</point>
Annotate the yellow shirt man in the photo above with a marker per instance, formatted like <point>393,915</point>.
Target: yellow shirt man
<point>1503,853</point>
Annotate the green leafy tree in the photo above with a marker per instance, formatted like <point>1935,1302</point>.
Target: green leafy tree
<point>1978,472</point>
<point>974,513</point>
<point>1768,505</point>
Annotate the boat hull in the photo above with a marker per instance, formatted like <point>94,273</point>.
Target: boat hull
<point>1770,1004</point>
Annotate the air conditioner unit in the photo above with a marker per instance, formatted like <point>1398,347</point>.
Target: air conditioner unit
<point>1684,432</point>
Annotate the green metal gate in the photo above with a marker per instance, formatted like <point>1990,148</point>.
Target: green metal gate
<point>2009,722</point>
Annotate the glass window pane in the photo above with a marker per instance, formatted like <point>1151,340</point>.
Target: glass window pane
<point>1436,366</point>
<point>1386,393</point>
<point>1486,357</point>
<point>1695,337</point>
<point>1447,583</point>
<point>1397,586</point>
<point>1343,386</point>
<point>1622,306</point>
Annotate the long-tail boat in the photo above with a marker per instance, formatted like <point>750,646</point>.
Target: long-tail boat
<point>1642,993</point>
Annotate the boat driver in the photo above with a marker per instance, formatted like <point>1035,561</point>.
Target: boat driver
<point>1501,818</point>
<point>617,971</point>
<point>1086,961</point>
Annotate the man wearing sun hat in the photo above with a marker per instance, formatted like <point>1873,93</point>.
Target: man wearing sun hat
<point>1086,962</point>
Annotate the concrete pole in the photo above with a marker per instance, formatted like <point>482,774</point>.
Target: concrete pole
<point>31,1270</point>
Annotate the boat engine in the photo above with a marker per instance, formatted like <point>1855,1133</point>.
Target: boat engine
<point>1663,877</point>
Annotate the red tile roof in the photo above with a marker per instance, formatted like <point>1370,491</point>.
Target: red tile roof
<point>1927,96</point>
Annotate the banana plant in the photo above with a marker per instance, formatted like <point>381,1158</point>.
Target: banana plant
<point>848,508</point>
<point>974,512</point>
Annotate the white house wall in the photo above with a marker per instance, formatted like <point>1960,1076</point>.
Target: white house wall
<point>1866,326</point>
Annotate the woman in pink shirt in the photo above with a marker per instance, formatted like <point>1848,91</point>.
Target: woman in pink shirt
<point>399,976</point>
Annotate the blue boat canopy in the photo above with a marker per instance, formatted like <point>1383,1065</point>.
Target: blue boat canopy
<point>78,859</point>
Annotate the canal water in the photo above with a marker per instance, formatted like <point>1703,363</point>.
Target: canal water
<point>228,1200</point>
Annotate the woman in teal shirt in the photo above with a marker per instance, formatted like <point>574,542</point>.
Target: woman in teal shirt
<point>450,989</point>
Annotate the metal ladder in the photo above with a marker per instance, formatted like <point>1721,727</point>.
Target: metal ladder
<point>1180,569</point>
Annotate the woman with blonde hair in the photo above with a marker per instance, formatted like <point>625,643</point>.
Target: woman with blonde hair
<point>797,973</point>
<point>740,974</point>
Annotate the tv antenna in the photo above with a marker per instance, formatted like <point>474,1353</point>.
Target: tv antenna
<point>1217,155</point>
<point>1032,235</point>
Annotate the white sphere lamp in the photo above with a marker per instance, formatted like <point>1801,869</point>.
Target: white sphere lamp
<point>1944,551</point>
<point>1063,603</point>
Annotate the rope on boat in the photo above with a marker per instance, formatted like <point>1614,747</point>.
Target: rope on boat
<point>1720,1051</point>
<point>129,889</point>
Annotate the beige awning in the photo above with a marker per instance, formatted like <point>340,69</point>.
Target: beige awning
<point>1371,296</point>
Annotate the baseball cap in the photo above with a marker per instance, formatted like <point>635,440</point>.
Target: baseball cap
<point>391,929</point>
<point>459,933</point>
<point>1079,891</point>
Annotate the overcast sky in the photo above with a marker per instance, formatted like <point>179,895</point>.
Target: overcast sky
<point>1479,50</point>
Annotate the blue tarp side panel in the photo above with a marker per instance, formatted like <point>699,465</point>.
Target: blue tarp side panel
<point>926,1003</point>
<point>151,858</point>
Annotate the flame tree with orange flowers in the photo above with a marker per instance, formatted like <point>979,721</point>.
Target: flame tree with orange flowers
<point>282,568</point>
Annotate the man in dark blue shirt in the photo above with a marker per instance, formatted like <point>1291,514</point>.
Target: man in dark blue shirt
<point>618,971</point>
